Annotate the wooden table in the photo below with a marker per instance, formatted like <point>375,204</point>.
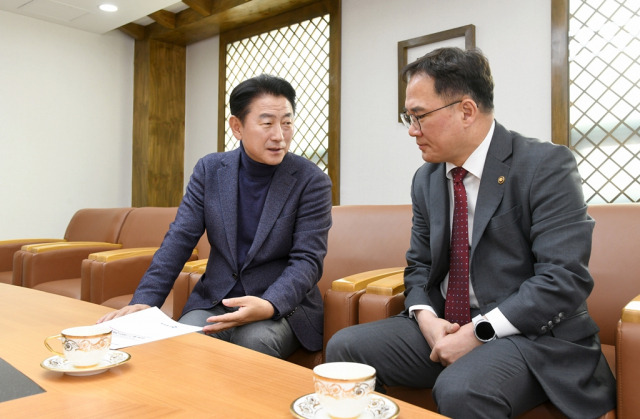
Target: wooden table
<point>187,376</point>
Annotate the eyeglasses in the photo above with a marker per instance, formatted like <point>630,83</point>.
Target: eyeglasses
<point>409,120</point>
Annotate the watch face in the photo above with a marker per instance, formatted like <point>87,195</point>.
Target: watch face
<point>484,331</point>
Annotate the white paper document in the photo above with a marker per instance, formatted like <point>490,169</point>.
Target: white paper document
<point>145,326</point>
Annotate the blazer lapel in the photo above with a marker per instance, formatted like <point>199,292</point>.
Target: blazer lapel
<point>494,175</point>
<point>228,198</point>
<point>281,186</point>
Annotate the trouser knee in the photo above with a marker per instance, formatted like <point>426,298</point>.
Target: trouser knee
<point>338,347</point>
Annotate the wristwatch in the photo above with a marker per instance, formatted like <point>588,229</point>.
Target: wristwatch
<point>483,330</point>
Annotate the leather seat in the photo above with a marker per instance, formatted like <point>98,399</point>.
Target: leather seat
<point>56,268</point>
<point>89,224</point>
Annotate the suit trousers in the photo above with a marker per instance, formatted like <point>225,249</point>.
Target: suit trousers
<point>491,381</point>
<point>271,337</point>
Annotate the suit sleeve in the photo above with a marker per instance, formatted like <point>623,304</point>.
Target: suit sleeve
<point>418,256</point>
<point>177,245</point>
<point>560,246</point>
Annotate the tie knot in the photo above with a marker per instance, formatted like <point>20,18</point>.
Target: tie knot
<point>458,174</point>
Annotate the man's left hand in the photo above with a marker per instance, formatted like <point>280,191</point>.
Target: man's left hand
<point>250,309</point>
<point>453,346</point>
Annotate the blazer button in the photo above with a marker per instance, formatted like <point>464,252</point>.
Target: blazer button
<point>234,275</point>
<point>214,302</point>
<point>544,329</point>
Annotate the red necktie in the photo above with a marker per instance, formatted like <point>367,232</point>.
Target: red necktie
<point>457,309</point>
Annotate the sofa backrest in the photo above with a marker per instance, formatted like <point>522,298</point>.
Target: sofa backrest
<point>614,264</point>
<point>365,237</point>
<point>146,226</point>
<point>96,224</point>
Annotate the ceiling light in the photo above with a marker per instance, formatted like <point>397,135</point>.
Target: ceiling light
<point>108,7</point>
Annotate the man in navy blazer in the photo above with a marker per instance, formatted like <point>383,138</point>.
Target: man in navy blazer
<point>267,213</point>
<point>526,336</point>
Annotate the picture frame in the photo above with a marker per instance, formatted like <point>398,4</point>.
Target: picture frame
<point>411,49</point>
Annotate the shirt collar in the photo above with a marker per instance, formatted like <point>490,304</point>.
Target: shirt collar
<point>475,162</point>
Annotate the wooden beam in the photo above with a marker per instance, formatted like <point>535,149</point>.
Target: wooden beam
<point>134,30</point>
<point>202,7</point>
<point>164,18</point>
<point>192,26</point>
<point>560,72</point>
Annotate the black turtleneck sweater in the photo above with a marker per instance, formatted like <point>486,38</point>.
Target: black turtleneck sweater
<point>254,180</point>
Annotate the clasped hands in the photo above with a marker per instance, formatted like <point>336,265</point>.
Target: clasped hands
<point>250,309</point>
<point>448,341</point>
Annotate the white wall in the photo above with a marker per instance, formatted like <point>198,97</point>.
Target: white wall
<point>201,127</point>
<point>378,156</point>
<point>66,104</point>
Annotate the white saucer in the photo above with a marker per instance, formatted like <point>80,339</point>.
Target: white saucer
<point>380,407</point>
<point>112,359</point>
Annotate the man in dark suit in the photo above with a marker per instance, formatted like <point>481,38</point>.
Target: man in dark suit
<point>522,334</point>
<point>267,213</point>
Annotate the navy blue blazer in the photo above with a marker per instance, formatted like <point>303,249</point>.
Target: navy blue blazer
<point>529,257</point>
<point>284,263</point>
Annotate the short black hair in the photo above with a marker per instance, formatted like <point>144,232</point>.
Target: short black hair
<point>456,72</point>
<point>244,93</point>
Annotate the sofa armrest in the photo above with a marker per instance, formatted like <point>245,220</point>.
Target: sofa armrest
<point>55,261</point>
<point>52,247</point>
<point>9,247</point>
<point>110,274</point>
<point>382,298</point>
<point>628,360</point>
<point>360,280</point>
<point>198,266</point>
<point>341,300</point>
<point>117,254</point>
<point>107,274</point>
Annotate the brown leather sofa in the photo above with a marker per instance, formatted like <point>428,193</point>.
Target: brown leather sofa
<point>56,267</point>
<point>614,266</point>
<point>89,224</point>
<point>110,278</point>
<point>362,238</point>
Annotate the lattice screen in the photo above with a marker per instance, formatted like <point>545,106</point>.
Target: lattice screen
<point>300,54</point>
<point>604,92</point>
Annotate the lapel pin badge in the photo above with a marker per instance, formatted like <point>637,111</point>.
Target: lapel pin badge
<point>500,180</point>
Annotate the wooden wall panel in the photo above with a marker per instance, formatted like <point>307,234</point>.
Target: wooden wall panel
<point>158,127</point>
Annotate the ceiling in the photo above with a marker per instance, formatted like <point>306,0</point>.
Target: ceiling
<point>85,14</point>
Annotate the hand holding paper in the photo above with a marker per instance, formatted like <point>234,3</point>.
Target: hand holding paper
<point>145,326</point>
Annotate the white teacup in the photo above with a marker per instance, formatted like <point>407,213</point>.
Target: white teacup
<point>83,346</point>
<point>343,388</point>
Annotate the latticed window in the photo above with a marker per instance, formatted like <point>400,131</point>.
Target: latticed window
<point>299,53</point>
<point>604,97</point>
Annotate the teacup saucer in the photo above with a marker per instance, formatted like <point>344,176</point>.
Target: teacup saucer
<point>112,359</point>
<point>379,407</point>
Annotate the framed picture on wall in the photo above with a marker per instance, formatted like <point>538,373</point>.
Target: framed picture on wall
<point>408,51</point>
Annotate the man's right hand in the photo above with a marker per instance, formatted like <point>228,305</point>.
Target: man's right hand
<point>433,328</point>
<point>123,312</point>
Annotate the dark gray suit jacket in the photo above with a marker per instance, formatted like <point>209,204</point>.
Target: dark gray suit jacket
<point>284,263</point>
<point>529,255</point>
